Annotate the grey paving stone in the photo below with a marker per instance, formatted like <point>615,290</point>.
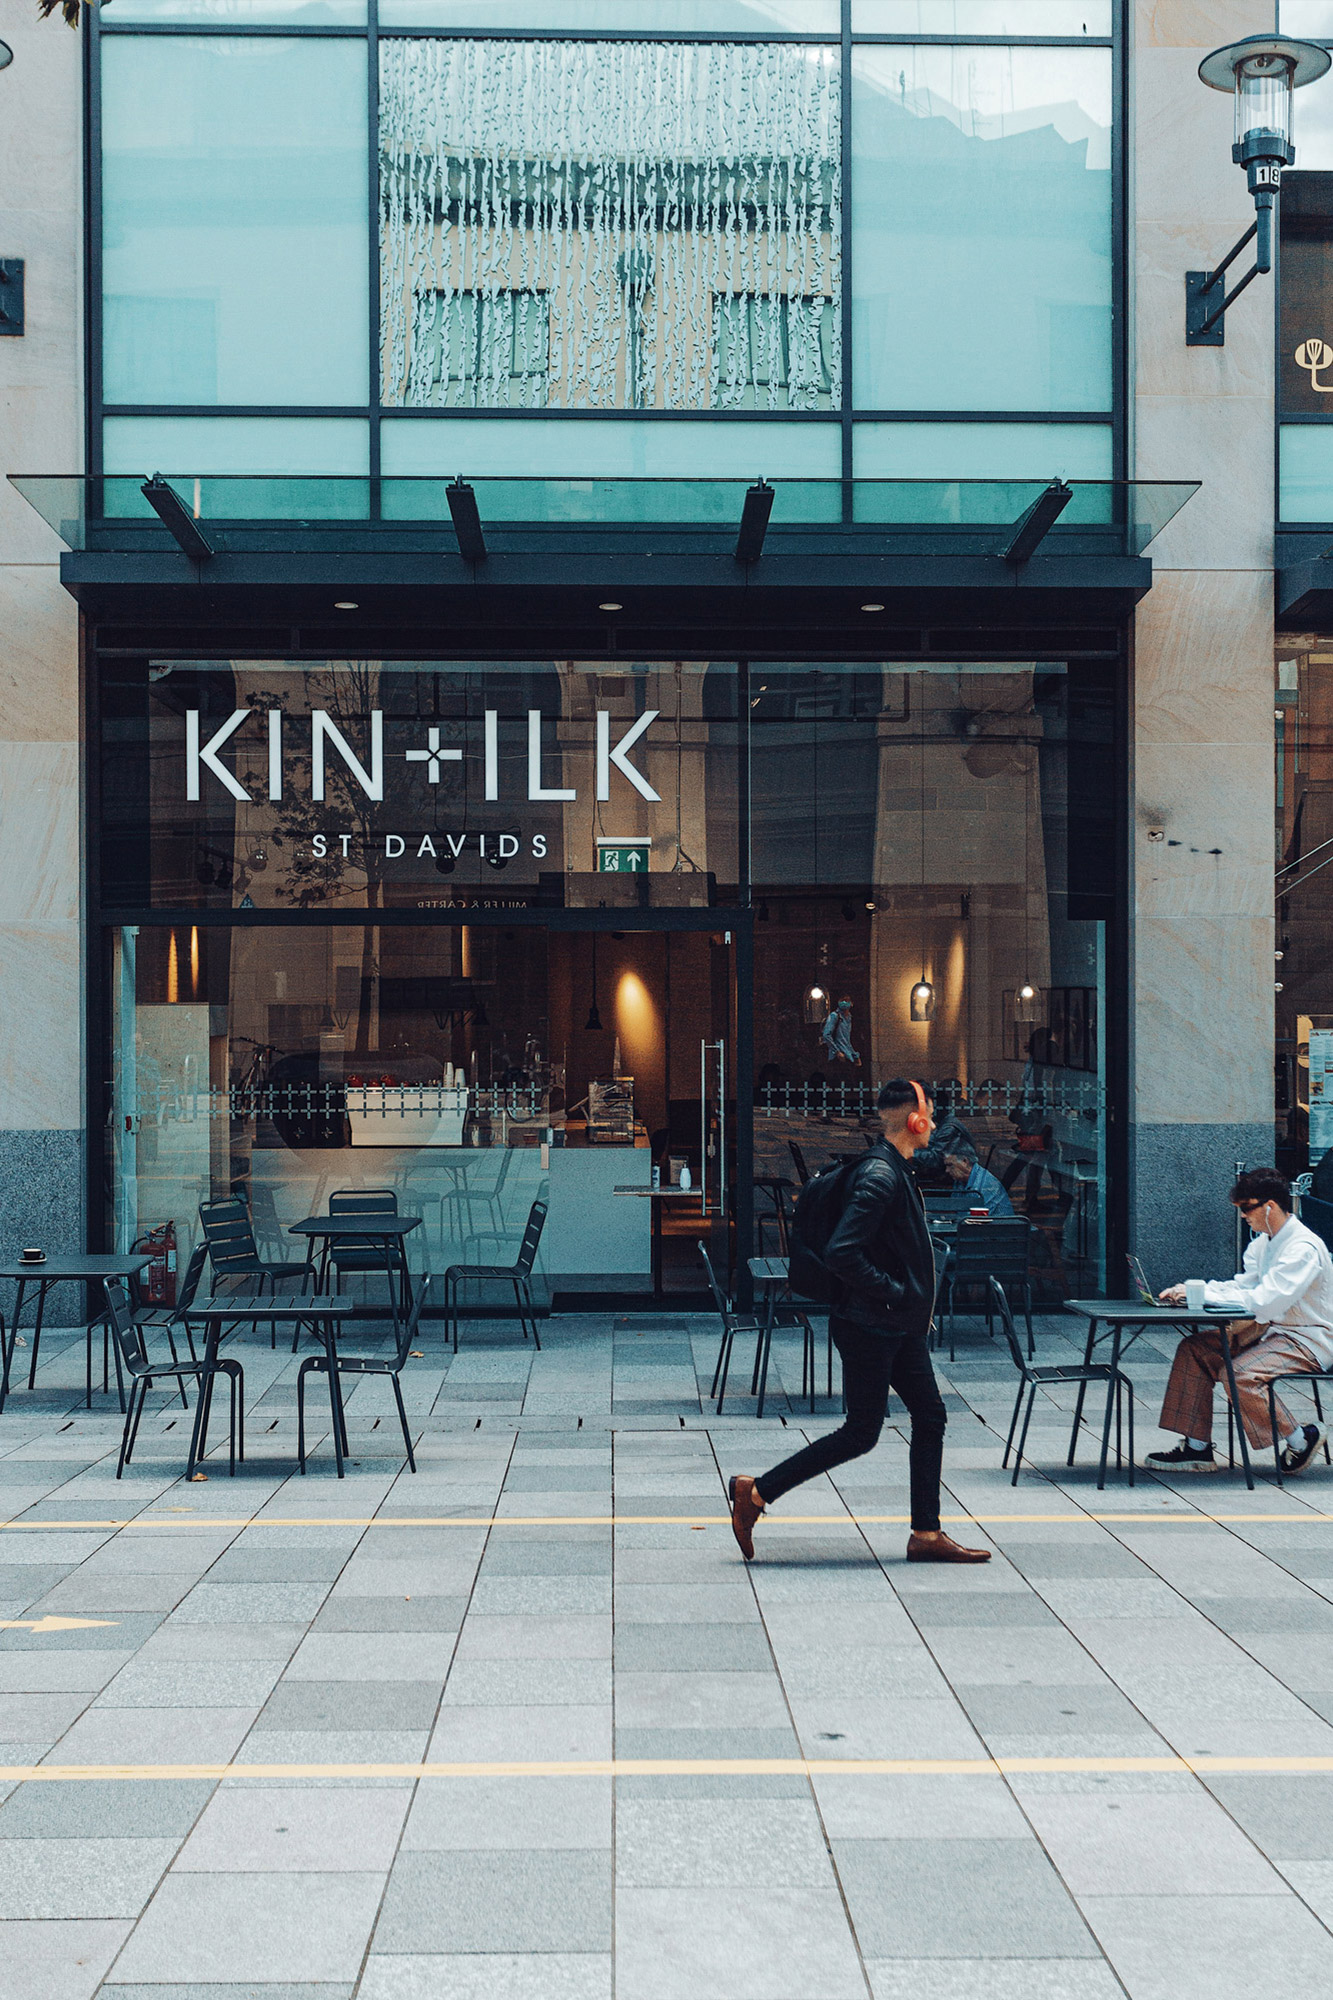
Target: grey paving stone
<point>1001,1609</point>
<point>29,1718</point>
<point>1081,1710</point>
<point>253,1829</point>
<point>350,1705</point>
<point>50,1672</point>
<point>80,1878</point>
<point>676,1842</point>
<point>548,1734</point>
<point>176,1640</point>
<point>466,1813</point>
<point>489,1976</point>
<point>1198,1947</point>
<point>542,1594</point>
<point>253,1928</point>
<point>525,1636</point>
<point>1291,1819</point>
<point>84,1596</point>
<point>103,1808</point>
<point>694,1744</point>
<point>1152,1845</point>
<point>148,1683</point>
<point>58,1960</point>
<point>786,1944</point>
<point>252,1989</point>
<point>155,1735</point>
<point>124,1633</point>
<point>509,1900</point>
<point>885,1807</point>
<point>534,1556</point>
<point>331,1747</point>
<point>422,1657</point>
<point>278,1565</point>
<point>417,1612</point>
<point>473,1682</point>
<point>958,1898</point>
<point>712,1648</point>
<point>250,1603</point>
<point>992,1979</point>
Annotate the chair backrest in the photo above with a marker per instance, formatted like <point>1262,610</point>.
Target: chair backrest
<point>194,1272</point>
<point>939,1246</point>
<point>719,1296</point>
<point>361,1201</point>
<point>229,1237</point>
<point>532,1236</point>
<point>991,1250</point>
<point>798,1161</point>
<point>127,1334</point>
<point>999,1304</point>
<point>1318,1215</point>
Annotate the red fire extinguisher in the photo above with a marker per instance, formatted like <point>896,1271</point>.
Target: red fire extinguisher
<point>157,1284</point>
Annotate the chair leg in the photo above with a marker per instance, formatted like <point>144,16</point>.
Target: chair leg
<point>402,1418</point>
<point>1027,1314</point>
<point>1013,1422</point>
<point>300,1419</point>
<point>1023,1434</point>
<point>532,1315</point>
<point>721,1350</point>
<point>125,1433</point>
<point>180,1379</point>
<point>145,1384</point>
<point>1078,1418</point>
<point>1129,1401</point>
<point>1106,1437</point>
<point>1272,1432</point>
<point>724,1364</point>
<point>1319,1413</point>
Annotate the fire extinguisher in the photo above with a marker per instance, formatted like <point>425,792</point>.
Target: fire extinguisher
<point>157,1284</point>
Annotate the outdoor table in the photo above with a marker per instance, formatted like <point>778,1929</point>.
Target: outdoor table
<point>659,1196</point>
<point>321,1312</point>
<point>775,1186</point>
<point>59,1270</point>
<point>1124,1320</point>
<point>773,1278</point>
<point>390,1230</point>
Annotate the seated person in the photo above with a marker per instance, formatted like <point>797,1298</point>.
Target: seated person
<point>1284,1301</point>
<point>949,1136</point>
<point>981,1186</point>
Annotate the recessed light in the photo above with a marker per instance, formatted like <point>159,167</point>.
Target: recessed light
<point>610,607</point>
<point>346,604</point>
<point>872,607</point>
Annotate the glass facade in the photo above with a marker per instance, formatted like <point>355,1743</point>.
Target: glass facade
<point>478,931</point>
<point>732,214</point>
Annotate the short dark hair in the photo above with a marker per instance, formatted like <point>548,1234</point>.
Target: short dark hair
<point>1263,1184</point>
<point>899,1091</point>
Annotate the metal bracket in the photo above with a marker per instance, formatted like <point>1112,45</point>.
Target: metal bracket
<point>463,513</point>
<point>11,295</point>
<point>1206,299</point>
<point>172,511</point>
<point>1032,527</point>
<point>754,522</point>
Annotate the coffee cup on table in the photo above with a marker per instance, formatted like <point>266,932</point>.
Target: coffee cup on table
<point>33,1256</point>
<point>1194,1290</point>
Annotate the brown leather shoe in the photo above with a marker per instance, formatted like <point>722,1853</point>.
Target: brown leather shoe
<point>746,1507</point>
<point>942,1548</point>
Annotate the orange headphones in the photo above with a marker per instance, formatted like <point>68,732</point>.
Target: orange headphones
<point>918,1121</point>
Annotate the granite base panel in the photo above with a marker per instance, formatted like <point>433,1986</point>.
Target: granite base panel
<point>1181,1223</point>
<point>42,1202</point>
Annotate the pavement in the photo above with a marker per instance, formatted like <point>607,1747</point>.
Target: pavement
<point>524,1727</point>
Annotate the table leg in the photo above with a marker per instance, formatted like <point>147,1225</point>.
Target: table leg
<point>1116,1331</point>
<point>335,1397</point>
<point>656,1231</point>
<point>199,1435</point>
<point>43,1288</point>
<point>1231,1388</point>
<point>1082,1390</point>
<point>10,1344</point>
<point>769,1317</point>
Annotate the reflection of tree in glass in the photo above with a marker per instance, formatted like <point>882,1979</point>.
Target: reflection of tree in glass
<point>348,695</point>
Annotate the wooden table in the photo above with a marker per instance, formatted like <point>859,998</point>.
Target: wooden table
<point>60,1270</point>
<point>389,1230</point>
<point>1124,1320</point>
<point>320,1312</point>
<point>659,1196</point>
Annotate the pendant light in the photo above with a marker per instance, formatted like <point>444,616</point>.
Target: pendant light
<point>1027,1000</point>
<point>816,1005</point>
<point>593,1024</point>
<point>922,1004</point>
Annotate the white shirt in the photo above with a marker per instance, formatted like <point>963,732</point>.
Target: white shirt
<point>1287,1282</point>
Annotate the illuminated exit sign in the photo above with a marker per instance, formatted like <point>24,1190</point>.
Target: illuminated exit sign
<point>620,855</point>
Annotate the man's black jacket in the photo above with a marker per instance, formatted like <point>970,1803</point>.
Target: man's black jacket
<point>881,1249</point>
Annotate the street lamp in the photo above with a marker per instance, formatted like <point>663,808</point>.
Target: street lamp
<point>1261,72</point>
<point>6,55</point>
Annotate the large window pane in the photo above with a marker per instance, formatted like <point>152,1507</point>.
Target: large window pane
<point>555,448</point>
<point>234,188</point>
<point>611,225</point>
<point>982,451</point>
<point>223,445</point>
<point>718,17</point>
<point>1305,472</point>
<point>243,13</point>
<point>981,17</point>
<point>982,228</point>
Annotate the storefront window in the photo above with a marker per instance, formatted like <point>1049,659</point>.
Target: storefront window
<point>1303,724</point>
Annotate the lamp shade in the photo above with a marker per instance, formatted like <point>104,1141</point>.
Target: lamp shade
<point>1027,1002</point>
<point>922,1006</point>
<point>816,1005</point>
<point>1262,71</point>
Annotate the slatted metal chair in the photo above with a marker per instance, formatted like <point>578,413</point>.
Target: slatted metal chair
<point>143,1372</point>
<point>390,1364</point>
<point>518,1274</point>
<point>233,1252</point>
<point>169,1320</point>
<point>1119,1391</point>
<point>367,1256</point>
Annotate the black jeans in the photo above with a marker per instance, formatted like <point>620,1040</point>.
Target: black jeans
<point>872,1364</point>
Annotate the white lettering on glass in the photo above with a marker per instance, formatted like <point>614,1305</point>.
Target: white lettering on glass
<point>195,754</point>
<point>607,756</point>
<point>325,729</point>
<point>492,722</point>
<point>275,753</point>
<point>536,789</point>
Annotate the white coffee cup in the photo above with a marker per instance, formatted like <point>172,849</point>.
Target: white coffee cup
<point>1194,1290</point>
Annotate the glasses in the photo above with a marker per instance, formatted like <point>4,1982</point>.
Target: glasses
<point>1248,1207</point>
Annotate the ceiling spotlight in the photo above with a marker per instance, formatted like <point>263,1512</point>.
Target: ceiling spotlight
<point>345,604</point>
<point>871,904</point>
<point>872,607</point>
<point>610,607</point>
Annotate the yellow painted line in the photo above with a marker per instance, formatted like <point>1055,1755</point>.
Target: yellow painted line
<point>684,1767</point>
<point>488,1521</point>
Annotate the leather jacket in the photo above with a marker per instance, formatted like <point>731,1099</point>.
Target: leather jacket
<point>881,1249</point>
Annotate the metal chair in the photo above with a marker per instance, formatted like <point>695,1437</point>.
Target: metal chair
<point>391,1365</point>
<point>233,1253</point>
<point>1031,1379</point>
<point>169,1320</point>
<point>364,1255</point>
<point>798,1161</point>
<point>985,1250</point>
<point>1311,1378</point>
<point>733,1322</point>
<point>518,1274</point>
<point>142,1371</point>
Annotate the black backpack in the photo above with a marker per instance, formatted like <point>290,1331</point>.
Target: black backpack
<point>818,1211</point>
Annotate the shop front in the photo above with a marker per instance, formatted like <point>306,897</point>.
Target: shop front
<point>486,931</point>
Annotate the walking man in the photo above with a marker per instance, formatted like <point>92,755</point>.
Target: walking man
<point>880,1249</point>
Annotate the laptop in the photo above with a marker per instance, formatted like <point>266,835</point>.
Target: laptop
<point>1139,1279</point>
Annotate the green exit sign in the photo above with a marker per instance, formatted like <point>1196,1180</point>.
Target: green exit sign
<point>623,856</point>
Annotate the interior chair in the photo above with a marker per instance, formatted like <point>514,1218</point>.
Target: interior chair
<point>518,1274</point>
<point>733,1322</point>
<point>368,1256</point>
<point>1119,1391</point>
<point>230,1239</point>
<point>798,1161</point>
<point>982,1251</point>
<point>390,1364</point>
<point>143,1372</point>
<point>1318,1215</point>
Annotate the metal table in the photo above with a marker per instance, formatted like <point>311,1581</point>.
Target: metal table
<point>389,1230</point>
<point>1124,1320</point>
<point>320,1312</point>
<point>771,1274</point>
<point>659,1196</point>
<point>60,1270</point>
